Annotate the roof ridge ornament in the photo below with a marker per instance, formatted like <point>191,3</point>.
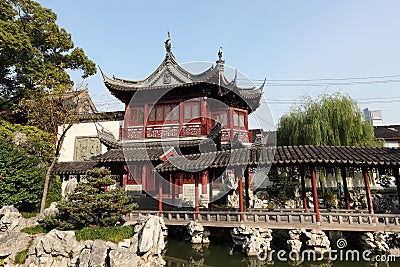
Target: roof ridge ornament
<point>168,43</point>
<point>220,60</point>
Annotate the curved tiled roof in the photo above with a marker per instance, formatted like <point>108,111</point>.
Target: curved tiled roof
<point>254,156</point>
<point>170,74</point>
<point>288,156</point>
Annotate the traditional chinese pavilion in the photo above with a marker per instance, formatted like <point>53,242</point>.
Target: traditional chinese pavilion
<point>176,112</point>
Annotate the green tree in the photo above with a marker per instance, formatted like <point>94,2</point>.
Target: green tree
<point>34,141</point>
<point>21,178</point>
<point>90,204</point>
<point>35,53</point>
<point>332,120</point>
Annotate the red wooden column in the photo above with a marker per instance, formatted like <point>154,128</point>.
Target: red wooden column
<point>246,188</point>
<point>145,118</point>
<point>345,187</point>
<point>241,209</point>
<point>397,178</point>
<point>204,182</point>
<point>196,195</point>
<point>159,195</point>
<point>144,177</point>
<point>173,190</point>
<point>303,188</point>
<point>368,190</point>
<point>210,187</point>
<point>232,130</point>
<point>203,108</point>
<point>315,193</point>
<point>125,176</point>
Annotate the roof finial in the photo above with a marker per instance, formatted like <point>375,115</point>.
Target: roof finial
<point>167,43</point>
<point>220,60</point>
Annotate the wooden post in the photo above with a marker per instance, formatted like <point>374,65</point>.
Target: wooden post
<point>196,193</point>
<point>210,187</point>
<point>303,188</point>
<point>173,190</point>
<point>231,128</point>
<point>125,176</point>
<point>240,188</point>
<point>345,187</point>
<point>246,188</point>
<point>315,194</point>
<point>204,181</point>
<point>397,178</point>
<point>368,190</point>
<point>145,119</point>
<point>159,195</point>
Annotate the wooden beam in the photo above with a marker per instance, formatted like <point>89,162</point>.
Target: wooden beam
<point>345,187</point>
<point>368,190</point>
<point>315,193</point>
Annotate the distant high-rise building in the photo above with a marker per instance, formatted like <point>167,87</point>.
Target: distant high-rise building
<point>373,116</point>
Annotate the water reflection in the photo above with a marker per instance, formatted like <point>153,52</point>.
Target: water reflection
<point>183,254</point>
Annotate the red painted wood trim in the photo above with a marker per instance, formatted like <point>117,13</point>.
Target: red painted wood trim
<point>241,208</point>
<point>196,192</point>
<point>368,190</point>
<point>315,193</point>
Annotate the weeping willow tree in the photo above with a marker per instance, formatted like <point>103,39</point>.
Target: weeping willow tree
<point>332,120</point>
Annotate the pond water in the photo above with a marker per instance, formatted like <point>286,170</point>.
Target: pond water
<point>181,253</point>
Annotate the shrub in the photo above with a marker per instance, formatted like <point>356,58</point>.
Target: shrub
<point>90,204</point>
<point>22,178</point>
<point>114,234</point>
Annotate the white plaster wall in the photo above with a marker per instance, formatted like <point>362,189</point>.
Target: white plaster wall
<point>85,129</point>
<point>392,143</point>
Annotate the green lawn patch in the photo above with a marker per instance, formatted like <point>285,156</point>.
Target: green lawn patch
<point>113,234</point>
<point>38,229</point>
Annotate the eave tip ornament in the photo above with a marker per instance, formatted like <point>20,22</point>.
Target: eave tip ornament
<point>168,43</point>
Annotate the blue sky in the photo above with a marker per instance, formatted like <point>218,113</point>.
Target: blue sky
<point>277,40</point>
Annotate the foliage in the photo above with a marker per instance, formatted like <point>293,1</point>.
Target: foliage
<point>91,204</point>
<point>330,199</point>
<point>114,234</point>
<point>21,178</point>
<point>21,256</point>
<point>33,230</point>
<point>34,141</point>
<point>283,184</point>
<point>55,190</point>
<point>332,120</point>
<point>35,53</point>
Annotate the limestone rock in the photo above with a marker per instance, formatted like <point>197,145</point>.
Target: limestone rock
<point>376,241</point>
<point>252,241</point>
<point>10,219</point>
<point>318,241</point>
<point>151,239</point>
<point>294,243</point>
<point>12,243</point>
<point>197,233</point>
